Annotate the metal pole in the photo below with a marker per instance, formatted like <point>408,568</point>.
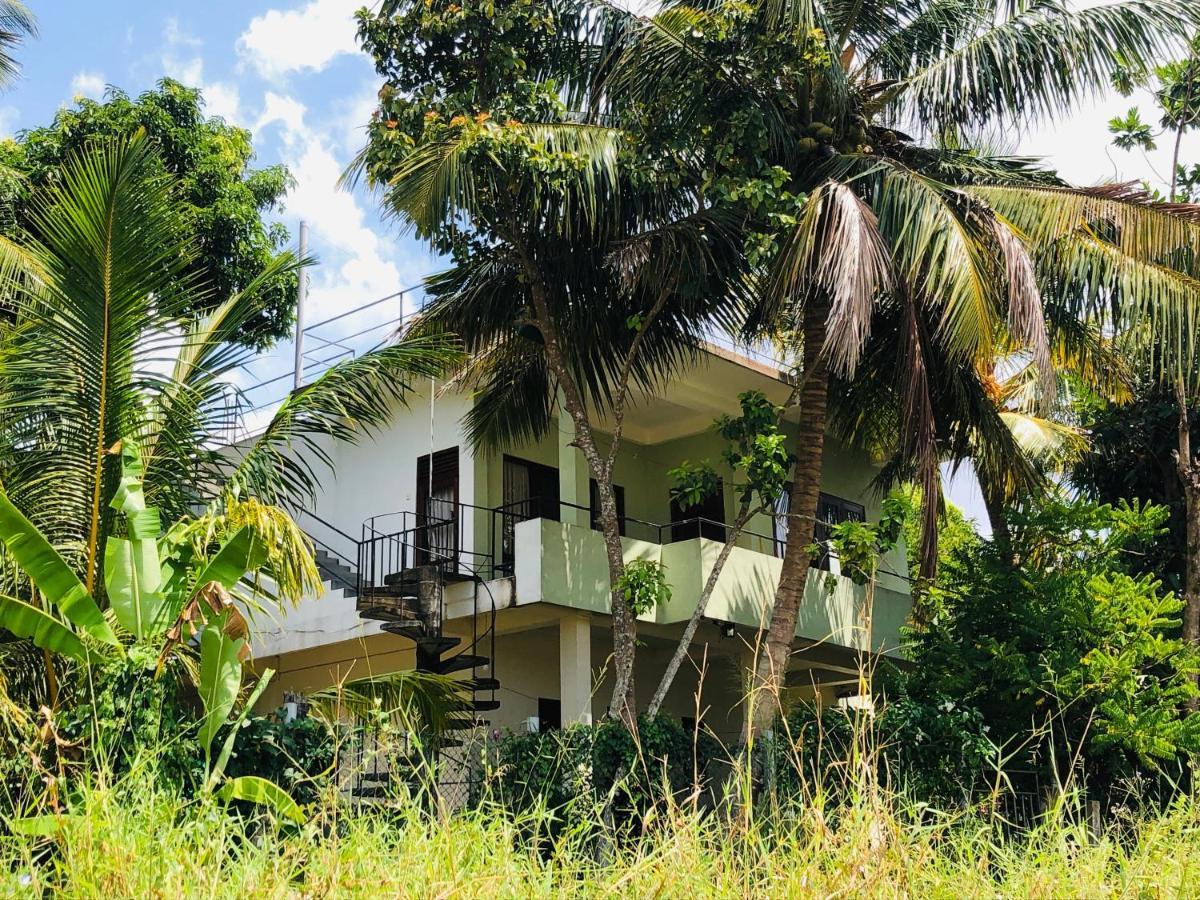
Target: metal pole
<point>301,293</point>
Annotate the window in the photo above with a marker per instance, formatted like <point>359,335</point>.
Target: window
<point>594,505</point>
<point>549,714</point>
<point>831,510</point>
<point>437,507</point>
<point>706,519</point>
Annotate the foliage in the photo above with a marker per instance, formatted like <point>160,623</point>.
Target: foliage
<point>859,545</point>
<point>757,454</point>
<point>221,199</point>
<point>570,771</point>
<point>644,585</point>
<point>124,712</point>
<point>82,367</point>
<point>137,838</point>
<point>939,754</point>
<point>1067,652</point>
<point>291,752</point>
<point>956,535</point>
<point>1130,458</point>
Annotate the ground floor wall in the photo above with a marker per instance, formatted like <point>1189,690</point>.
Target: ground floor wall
<point>550,653</point>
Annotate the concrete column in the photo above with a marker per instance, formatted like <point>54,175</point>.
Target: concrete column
<point>573,473</point>
<point>575,668</point>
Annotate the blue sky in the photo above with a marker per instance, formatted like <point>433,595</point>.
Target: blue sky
<point>290,71</point>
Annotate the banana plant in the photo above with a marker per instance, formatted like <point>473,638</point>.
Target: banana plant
<point>164,591</point>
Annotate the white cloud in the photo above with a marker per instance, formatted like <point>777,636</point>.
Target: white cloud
<point>88,84</point>
<point>221,98</point>
<point>284,111</point>
<point>355,260</point>
<point>175,35</point>
<point>9,116</point>
<point>309,37</point>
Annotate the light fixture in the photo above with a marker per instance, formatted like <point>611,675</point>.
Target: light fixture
<point>727,629</point>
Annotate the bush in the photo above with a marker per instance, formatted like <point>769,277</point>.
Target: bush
<point>1062,650</point>
<point>292,753</point>
<point>935,754</point>
<point>582,763</point>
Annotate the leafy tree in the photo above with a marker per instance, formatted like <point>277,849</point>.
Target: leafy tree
<point>219,198</point>
<point>581,268</point>
<point>1176,87</point>
<point>1071,651</point>
<point>912,264</point>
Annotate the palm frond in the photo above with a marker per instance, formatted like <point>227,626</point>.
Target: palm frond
<point>836,248</point>
<point>350,400</point>
<point>1042,60</point>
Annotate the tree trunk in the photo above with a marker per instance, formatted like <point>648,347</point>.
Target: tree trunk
<point>689,631</point>
<point>624,624</point>
<point>1189,474</point>
<point>998,519</point>
<point>802,516</point>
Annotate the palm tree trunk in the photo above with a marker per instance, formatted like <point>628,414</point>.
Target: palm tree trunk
<point>1189,473</point>
<point>993,502</point>
<point>802,516</point>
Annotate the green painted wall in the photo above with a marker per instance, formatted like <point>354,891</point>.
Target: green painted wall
<point>642,471</point>
<point>573,572</point>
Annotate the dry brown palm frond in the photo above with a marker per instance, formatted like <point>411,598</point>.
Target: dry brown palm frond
<point>837,248</point>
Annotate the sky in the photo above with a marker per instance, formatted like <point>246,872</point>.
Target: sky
<point>290,71</point>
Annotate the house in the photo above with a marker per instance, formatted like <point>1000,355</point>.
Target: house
<point>488,564</point>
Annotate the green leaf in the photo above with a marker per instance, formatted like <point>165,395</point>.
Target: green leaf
<point>44,630</point>
<point>53,577</point>
<point>242,553</point>
<point>220,677</point>
<point>131,577</point>
<point>258,790</point>
<point>40,826</point>
<point>227,748</point>
<point>132,570</point>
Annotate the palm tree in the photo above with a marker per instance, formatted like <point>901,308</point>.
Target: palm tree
<point>17,22</point>
<point>907,246</point>
<point>97,353</point>
<point>579,273</point>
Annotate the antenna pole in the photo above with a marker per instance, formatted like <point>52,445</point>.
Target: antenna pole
<point>301,294</point>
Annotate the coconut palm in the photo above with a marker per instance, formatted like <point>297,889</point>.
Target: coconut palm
<point>96,353</point>
<point>17,22</point>
<point>908,246</point>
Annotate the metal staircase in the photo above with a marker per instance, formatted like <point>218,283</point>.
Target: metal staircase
<point>397,573</point>
<point>402,580</point>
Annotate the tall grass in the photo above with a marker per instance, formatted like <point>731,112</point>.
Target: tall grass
<point>133,838</point>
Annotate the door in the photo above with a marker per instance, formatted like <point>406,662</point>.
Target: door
<point>437,509</point>
<point>530,492</point>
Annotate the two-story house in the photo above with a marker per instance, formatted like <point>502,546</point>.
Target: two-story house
<point>488,563</point>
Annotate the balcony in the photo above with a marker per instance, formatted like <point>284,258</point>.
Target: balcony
<point>565,564</point>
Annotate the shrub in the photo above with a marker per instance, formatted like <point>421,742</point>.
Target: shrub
<point>1062,650</point>
<point>292,753</point>
<point>582,763</point>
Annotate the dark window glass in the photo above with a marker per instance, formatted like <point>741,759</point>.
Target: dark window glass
<point>594,504</point>
<point>706,519</point>
<point>833,511</point>
<point>549,714</point>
